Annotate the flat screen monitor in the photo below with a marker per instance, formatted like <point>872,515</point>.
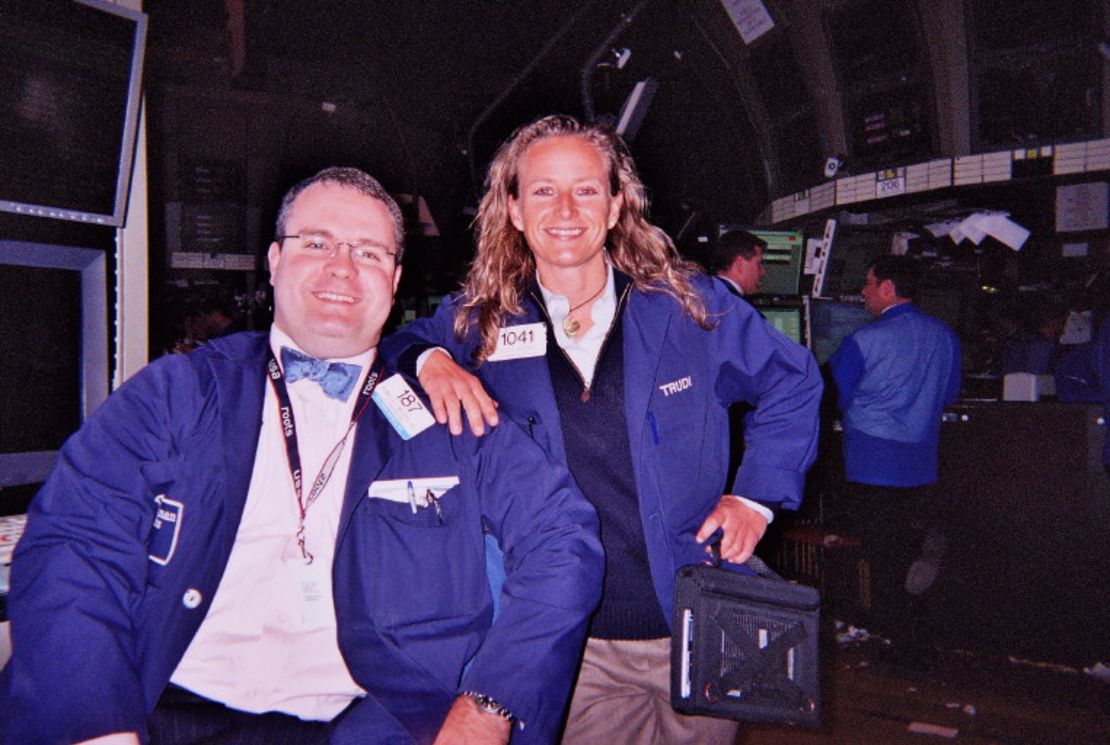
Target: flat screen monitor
<point>70,77</point>
<point>850,254</point>
<point>53,352</point>
<point>782,259</point>
<point>790,321</point>
<point>830,322</point>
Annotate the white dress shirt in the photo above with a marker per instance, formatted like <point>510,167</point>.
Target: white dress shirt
<point>585,349</point>
<point>269,640</point>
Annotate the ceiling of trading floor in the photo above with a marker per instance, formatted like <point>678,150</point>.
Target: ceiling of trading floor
<point>421,92</point>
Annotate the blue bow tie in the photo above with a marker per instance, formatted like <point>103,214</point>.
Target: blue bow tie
<point>335,378</point>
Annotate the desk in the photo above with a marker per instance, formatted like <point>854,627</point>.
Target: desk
<point>1025,503</point>
<point>1028,507</point>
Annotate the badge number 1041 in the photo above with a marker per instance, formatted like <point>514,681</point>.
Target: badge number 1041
<point>523,340</point>
<point>512,337</point>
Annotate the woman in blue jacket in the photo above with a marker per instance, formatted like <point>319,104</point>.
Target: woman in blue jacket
<point>582,322</point>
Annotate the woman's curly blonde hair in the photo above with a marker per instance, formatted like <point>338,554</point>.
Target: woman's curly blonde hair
<point>504,265</point>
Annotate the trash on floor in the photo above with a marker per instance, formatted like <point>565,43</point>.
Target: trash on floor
<point>924,728</point>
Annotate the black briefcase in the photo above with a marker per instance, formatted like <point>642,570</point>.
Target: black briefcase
<point>745,647</point>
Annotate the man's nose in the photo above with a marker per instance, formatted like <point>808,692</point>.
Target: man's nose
<point>341,263</point>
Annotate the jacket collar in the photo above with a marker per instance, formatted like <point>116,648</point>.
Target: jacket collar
<point>900,309</point>
<point>238,367</point>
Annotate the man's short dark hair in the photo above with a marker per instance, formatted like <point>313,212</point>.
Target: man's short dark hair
<point>730,245</point>
<point>903,272</point>
<point>352,178</point>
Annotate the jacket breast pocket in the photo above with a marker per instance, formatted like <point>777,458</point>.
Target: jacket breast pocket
<point>425,565</point>
<point>425,510</point>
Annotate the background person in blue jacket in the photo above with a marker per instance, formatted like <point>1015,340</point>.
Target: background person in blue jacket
<point>893,378</point>
<point>621,361</point>
<point>736,258</point>
<point>251,545</point>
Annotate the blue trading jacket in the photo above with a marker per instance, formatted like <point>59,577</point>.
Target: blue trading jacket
<point>894,377</point>
<point>1102,364</point>
<point>679,382</point>
<point>98,628</point>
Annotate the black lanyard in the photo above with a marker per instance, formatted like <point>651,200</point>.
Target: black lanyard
<point>292,452</point>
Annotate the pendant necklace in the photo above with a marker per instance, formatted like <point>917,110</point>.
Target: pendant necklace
<point>570,325</point>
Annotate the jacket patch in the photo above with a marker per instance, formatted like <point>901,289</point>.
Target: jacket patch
<point>677,386</point>
<point>167,527</point>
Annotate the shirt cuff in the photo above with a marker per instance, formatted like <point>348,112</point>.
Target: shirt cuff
<point>424,356</point>
<point>757,507</point>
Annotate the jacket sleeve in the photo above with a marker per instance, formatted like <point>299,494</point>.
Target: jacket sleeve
<point>846,365</point>
<point>80,569</point>
<point>781,380</point>
<point>553,561</point>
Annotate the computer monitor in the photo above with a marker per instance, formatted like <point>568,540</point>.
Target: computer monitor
<point>848,258</point>
<point>53,351</point>
<point>830,322</point>
<point>70,80</point>
<point>782,259</point>
<point>790,321</point>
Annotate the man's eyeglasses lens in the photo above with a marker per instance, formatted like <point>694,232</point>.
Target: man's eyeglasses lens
<point>369,254</point>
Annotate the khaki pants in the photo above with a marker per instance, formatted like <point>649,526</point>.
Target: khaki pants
<point>623,698</point>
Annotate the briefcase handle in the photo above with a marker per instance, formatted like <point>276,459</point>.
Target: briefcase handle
<point>754,563</point>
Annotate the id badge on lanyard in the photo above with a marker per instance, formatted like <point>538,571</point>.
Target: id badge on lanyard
<point>289,433</point>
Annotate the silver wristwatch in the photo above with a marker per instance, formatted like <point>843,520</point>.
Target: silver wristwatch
<point>488,705</point>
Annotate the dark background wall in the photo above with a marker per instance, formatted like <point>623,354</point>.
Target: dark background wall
<point>246,96</point>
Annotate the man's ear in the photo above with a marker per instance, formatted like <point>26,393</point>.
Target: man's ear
<point>273,258</point>
<point>887,289</point>
<point>396,279</point>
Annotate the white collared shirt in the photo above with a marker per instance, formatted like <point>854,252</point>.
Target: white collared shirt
<point>585,349</point>
<point>735,286</point>
<point>269,640</point>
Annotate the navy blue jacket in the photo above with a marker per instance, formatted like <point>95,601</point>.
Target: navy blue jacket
<point>98,628</point>
<point>679,382</point>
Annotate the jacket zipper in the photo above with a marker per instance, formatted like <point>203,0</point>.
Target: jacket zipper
<point>604,344</point>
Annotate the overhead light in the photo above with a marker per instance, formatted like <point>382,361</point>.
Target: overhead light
<point>618,58</point>
<point>635,108</point>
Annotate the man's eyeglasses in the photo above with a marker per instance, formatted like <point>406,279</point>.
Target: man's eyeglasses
<point>325,247</point>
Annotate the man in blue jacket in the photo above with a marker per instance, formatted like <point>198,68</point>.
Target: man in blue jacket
<point>620,360</point>
<point>893,377</point>
<point>736,258</point>
<point>270,541</point>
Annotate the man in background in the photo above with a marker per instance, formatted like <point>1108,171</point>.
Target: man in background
<point>737,260</point>
<point>893,378</point>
